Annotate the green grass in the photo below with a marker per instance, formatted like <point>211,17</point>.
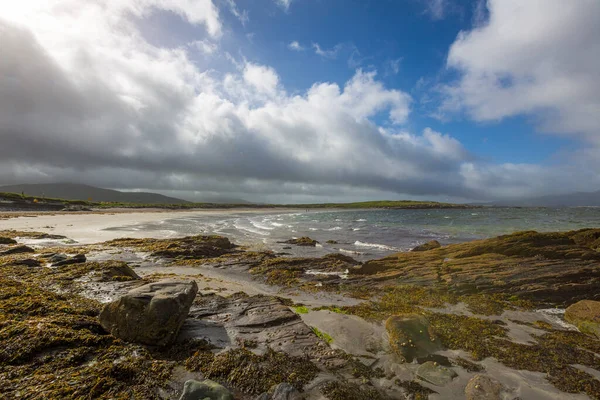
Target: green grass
<point>322,335</point>
<point>301,310</point>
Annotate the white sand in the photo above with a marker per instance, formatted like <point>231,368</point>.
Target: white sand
<point>90,228</point>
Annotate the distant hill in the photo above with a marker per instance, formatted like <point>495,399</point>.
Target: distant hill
<point>578,199</point>
<point>75,191</point>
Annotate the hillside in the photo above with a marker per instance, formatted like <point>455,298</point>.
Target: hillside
<point>74,191</point>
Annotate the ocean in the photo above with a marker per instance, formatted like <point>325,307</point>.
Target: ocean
<point>368,234</point>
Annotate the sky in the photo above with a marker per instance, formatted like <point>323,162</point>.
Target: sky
<point>295,101</point>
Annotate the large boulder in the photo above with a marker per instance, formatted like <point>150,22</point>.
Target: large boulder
<point>205,390</point>
<point>585,315</point>
<point>433,244</point>
<point>435,374</point>
<point>411,336</point>
<point>483,387</point>
<point>151,314</point>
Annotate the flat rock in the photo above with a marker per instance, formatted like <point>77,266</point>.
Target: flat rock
<point>259,322</point>
<point>205,390</point>
<point>7,240</point>
<point>303,241</point>
<point>58,257</point>
<point>151,314</point>
<point>17,250</point>
<point>285,391</point>
<point>28,262</point>
<point>435,374</point>
<point>76,259</point>
<point>483,387</point>
<point>585,315</point>
<point>411,336</point>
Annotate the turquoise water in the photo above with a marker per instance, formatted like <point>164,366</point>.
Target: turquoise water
<point>373,233</point>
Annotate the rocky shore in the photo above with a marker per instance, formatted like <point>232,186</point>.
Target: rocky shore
<point>512,317</point>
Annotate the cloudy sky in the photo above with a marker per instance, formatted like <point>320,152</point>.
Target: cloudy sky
<point>303,100</point>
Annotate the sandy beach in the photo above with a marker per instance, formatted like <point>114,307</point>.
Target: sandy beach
<point>87,228</point>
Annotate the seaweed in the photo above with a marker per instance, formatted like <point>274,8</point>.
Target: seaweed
<point>251,373</point>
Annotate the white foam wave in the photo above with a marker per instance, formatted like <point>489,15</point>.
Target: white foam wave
<point>335,228</point>
<point>241,227</point>
<point>354,253</point>
<point>375,245</point>
<point>361,220</point>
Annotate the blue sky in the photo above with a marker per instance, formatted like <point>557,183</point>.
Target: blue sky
<point>307,100</point>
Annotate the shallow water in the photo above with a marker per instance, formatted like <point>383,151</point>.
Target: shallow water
<point>366,234</point>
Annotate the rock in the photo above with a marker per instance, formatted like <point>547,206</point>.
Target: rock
<point>483,387</point>
<point>7,240</point>
<point>205,390</point>
<point>119,273</point>
<point>437,358</point>
<point>76,207</point>
<point>411,336</point>
<point>303,241</point>
<point>286,247</point>
<point>151,314</point>
<point>332,242</point>
<point>29,262</point>
<point>76,259</point>
<point>433,244</point>
<point>435,374</point>
<point>585,315</point>
<point>58,257</point>
<point>285,391</point>
<point>17,250</point>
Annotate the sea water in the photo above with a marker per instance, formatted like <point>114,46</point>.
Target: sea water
<point>367,234</point>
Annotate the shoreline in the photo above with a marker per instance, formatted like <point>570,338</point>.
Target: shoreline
<point>332,312</point>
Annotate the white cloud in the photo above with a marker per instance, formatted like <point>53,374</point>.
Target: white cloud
<point>204,46</point>
<point>242,16</point>
<point>332,53</point>
<point>539,58</point>
<point>262,78</point>
<point>98,103</point>
<point>295,46</point>
<point>437,8</point>
<point>285,4</point>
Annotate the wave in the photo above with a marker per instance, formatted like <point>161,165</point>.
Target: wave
<point>239,226</point>
<point>375,245</point>
<point>277,224</point>
<point>261,226</point>
<point>361,220</point>
<point>335,228</point>
<point>354,253</point>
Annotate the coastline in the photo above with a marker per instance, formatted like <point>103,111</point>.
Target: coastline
<point>495,306</point>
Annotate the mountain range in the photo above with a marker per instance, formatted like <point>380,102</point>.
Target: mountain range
<point>76,191</point>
